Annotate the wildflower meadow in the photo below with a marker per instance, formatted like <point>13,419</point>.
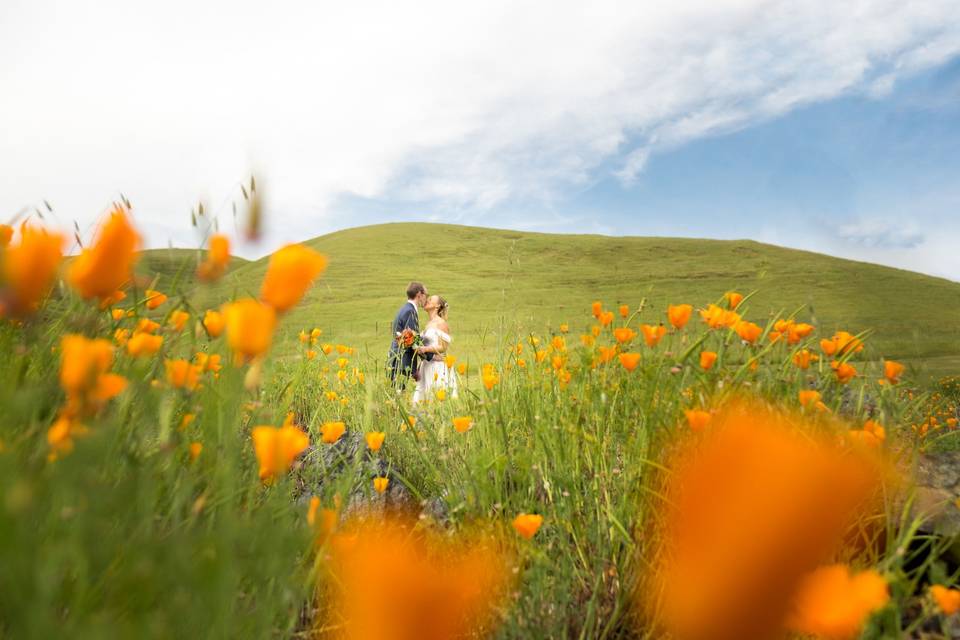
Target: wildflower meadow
<point>180,466</point>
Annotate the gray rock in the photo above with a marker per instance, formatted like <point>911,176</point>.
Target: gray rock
<point>937,489</point>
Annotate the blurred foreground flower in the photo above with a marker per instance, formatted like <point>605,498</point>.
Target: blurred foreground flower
<point>105,267</point>
<point>439,586</point>
<point>250,326</point>
<point>291,271</point>
<point>28,269</point>
<point>84,366</point>
<point>753,508</point>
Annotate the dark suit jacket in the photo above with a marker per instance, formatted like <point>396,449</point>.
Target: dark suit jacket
<point>402,361</point>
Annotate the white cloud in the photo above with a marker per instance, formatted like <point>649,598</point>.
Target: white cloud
<point>467,106</point>
<point>882,233</point>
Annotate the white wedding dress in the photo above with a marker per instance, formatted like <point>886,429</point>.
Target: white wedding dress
<point>434,374</point>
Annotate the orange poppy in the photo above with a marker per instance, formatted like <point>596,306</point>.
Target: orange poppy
<point>948,600</point>
<point>799,331</point>
<point>653,334</point>
<point>249,326</point>
<point>832,602</point>
<point>597,309</point>
<point>607,353</point>
<point>277,448</point>
<point>489,377</point>
<point>208,361</point>
<point>892,371</point>
<point>809,397</point>
<point>103,268</point>
<point>718,579</point>
<point>697,419</point>
<point>30,267</point>
<point>707,360</point>
<point>178,319</point>
<point>803,358</point>
<point>733,299</point>
<point>213,322</point>
<point>82,362</point>
<point>146,325</point>
<point>624,334</point>
<point>181,374</point>
<point>527,525</point>
<point>442,586</point>
<point>332,431</point>
<point>380,484</point>
<point>844,371</point>
<point>748,331</point>
<point>462,424</point>
<point>218,258</point>
<point>679,315</point>
<point>375,440</point>
<point>606,318</point>
<point>143,344</point>
<point>624,311</point>
<point>154,299</point>
<point>718,317</point>
<point>290,272</point>
<point>629,360</point>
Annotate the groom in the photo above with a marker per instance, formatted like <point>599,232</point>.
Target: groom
<point>402,360</point>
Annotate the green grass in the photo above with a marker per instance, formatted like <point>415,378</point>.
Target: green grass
<point>173,270</point>
<point>507,281</point>
<point>125,536</point>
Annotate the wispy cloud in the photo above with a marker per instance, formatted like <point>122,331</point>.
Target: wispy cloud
<point>467,107</point>
<point>882,234</point>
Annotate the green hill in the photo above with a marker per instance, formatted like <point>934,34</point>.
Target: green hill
<point>173,270</point>
<point>511,280</point>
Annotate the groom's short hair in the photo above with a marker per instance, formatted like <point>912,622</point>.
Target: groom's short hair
<point>414,289</point>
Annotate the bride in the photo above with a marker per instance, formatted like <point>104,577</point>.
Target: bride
<point>434,374</point>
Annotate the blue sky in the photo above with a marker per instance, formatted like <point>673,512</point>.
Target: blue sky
<point>868,176</point>
<point>818,125</point>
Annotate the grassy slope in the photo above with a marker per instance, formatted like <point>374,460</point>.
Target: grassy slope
<point>510,279</point>
<point>174,269</point>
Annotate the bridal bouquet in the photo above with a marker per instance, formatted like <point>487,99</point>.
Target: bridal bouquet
<point>408,338</point>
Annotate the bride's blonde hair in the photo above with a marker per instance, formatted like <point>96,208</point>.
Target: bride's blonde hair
<point>442,307</point>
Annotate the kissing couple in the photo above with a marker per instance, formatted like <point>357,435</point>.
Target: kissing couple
<point>420,355</point>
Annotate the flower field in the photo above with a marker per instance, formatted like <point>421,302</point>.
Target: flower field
<point>697,470</point>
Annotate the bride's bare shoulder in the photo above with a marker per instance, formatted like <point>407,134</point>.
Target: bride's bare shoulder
<point>442,325</point>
